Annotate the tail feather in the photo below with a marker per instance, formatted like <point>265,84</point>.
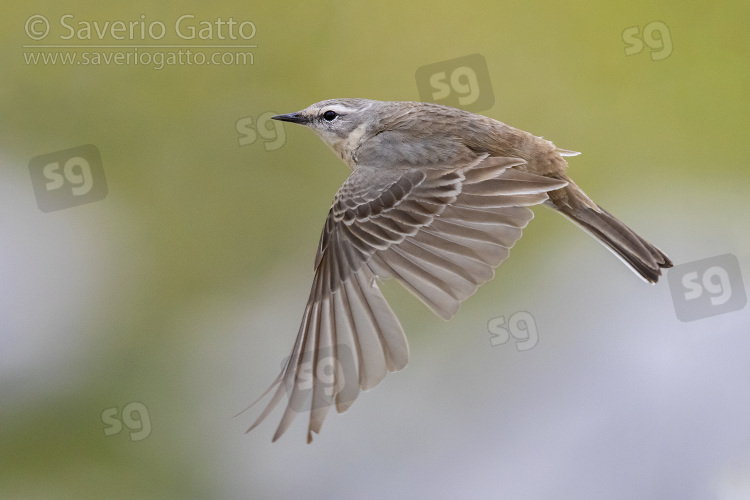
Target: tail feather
<point>640,255</point>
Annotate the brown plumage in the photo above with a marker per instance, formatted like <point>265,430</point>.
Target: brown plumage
<point>436,199</point>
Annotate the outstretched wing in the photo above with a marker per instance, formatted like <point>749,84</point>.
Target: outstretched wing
<point>439,231</point>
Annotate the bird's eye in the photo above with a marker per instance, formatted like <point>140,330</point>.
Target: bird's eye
<point>329,116</point>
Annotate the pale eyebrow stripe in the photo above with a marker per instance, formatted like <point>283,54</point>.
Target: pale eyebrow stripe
<point>338,108</point>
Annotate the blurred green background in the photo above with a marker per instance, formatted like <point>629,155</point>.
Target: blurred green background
<point>183,288</point>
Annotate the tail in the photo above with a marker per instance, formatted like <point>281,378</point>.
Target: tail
<point>640,255</point>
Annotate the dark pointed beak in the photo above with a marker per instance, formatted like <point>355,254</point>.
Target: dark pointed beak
<point>291,117</point>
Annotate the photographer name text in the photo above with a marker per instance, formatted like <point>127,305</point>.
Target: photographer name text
<point>186,27</point>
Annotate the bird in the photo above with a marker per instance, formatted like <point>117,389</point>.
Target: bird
<point>436,198</point>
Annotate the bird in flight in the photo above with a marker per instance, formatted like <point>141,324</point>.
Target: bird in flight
<point>436,199</point>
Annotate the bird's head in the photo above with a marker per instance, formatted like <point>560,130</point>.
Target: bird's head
<point>343,124</point>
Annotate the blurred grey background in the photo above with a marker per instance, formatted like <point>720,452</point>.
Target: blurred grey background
<point>134,326</point>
